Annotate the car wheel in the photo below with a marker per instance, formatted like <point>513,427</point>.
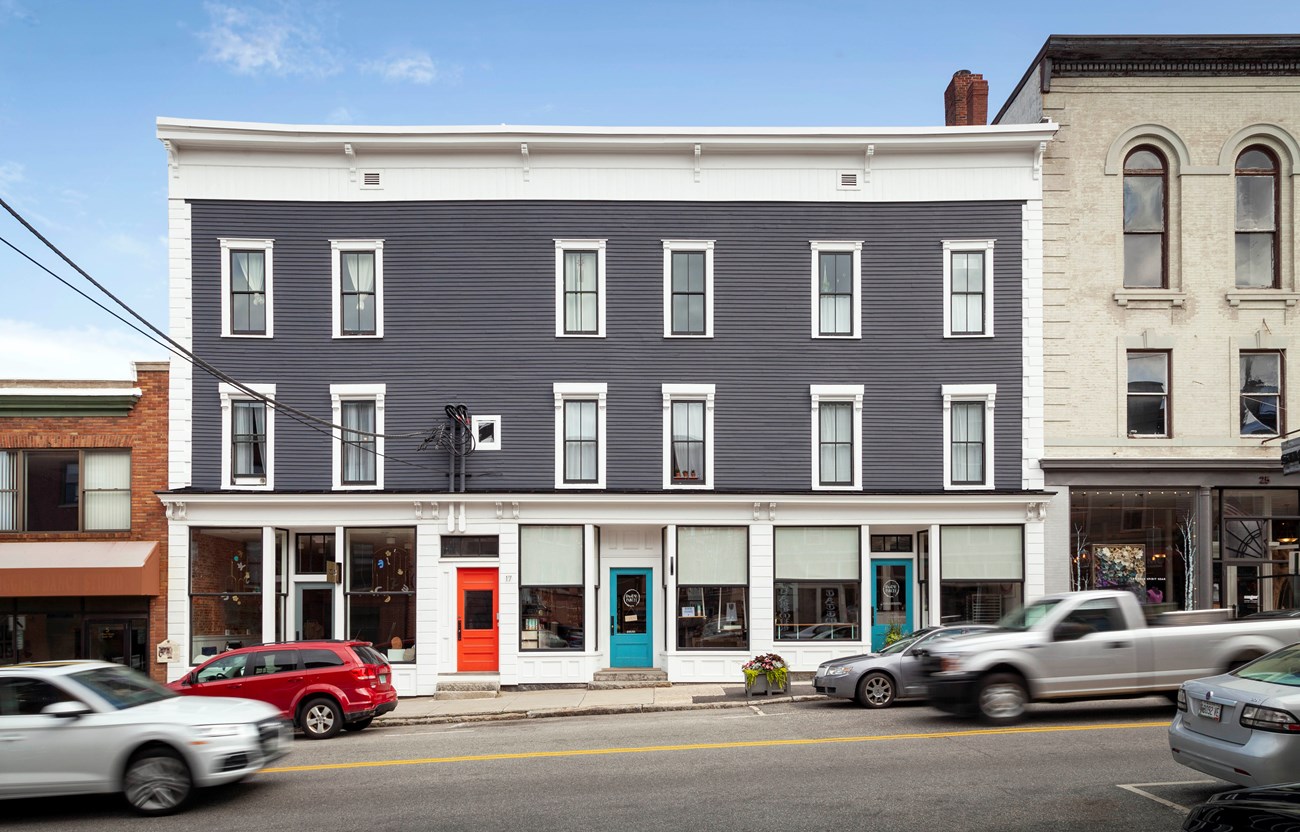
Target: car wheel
<point>320,719</point>
<point>876,690</point>
<point>1002,698</point>
<point>156,782</point>
<point>359,725</point>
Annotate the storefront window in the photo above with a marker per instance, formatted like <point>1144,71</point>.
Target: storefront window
<point>552,588</point>
<point>1258,557</point>
<point>1136,540</point>
<point>381,590</point>
<point>981,572</point>
<point>819,584</point>
<point>225,590</point>
<point>712,588</point>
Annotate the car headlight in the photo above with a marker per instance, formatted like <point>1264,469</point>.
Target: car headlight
<point>214,731</point>
<point>837,670</point>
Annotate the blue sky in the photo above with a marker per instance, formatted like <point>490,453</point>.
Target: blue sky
<point>81,84</point>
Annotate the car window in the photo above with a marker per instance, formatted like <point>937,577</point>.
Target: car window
<point>1026,617</point>
<point>368,655</point>
<point>273,661</point>
<point>122,687</point>
<point>28,697</point>
<point>224,667</point>
<point>1102,615</point>
<point>907,641</point>
<point>312,659</point>
<point>1281,667</point>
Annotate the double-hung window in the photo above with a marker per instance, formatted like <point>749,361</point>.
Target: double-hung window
<point>968,288</point>
<point>246,298</point>
<point>688,435</point>
<point>65,490</point>
<point>1148,393</point>
<point>836,289</point>
<point>358,412</point>
<point>580,434</point>
<point>248,436</point>
<point>968,435</point>
<point>552,588</point>
<point>1146,215</point>
<point>688,288</point>
<point>579,288</point>
<point>1261,393</point>
<point>836,435</point>
<point>712,588</point>
<point>1257,202</point>
<point>357,281</point>
<point>818,584</point>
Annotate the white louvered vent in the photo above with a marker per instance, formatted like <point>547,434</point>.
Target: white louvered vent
<point>371,179</point>
<point>849,180</point>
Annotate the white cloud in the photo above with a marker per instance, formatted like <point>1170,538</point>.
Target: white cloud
<point>33,351</point>
<point>252,41</point>
<point>11,173</point>
<point>415,68</point>
<point>13,10</point>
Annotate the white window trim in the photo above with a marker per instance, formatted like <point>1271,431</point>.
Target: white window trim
<point>476,421</point>
<point>340,393</point>
<point>671,246</point>
<point>986,393</point>
<point>229,244</point>
<point>855,247</point>
<point>584,391</point>
<point>951,247</point>
<point>337,247</point>
<point>561,246</point>
<point>230,394</point>
<point>688,392</point>
<point>836,393</point>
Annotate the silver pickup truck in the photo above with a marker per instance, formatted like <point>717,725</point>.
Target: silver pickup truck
<point>1086,645</point>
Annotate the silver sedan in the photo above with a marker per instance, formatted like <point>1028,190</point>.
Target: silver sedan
<point>877,680</point>
<point>1242,726</point>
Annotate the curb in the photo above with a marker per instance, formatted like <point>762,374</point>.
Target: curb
<point>588,710</point>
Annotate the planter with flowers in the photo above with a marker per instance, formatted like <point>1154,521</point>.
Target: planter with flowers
<point>767,674</point>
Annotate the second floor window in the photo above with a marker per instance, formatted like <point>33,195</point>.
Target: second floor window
<point>581,441</point>
<point>358,442</point>
<point>687,451</point>
<point>1145,217</point>
<point>248,293</point>
<point>1261,393</point>
<point>65,490</point>
<point>1148,394</point>
<point>357,303</point>
<point>248,441</point>
<point>836,444</point>
<point>1256,176</point>
<point>968,443</point>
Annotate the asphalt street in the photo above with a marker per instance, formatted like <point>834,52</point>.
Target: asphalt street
<point>793,766</point>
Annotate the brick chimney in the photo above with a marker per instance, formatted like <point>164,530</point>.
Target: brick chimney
<point>966,101</point>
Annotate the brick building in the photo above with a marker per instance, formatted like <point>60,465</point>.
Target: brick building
<point>82,571</point>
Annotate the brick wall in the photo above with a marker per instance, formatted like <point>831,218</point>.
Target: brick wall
<point>144,432</point>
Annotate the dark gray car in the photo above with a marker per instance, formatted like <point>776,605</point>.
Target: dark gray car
<point>877,680</point>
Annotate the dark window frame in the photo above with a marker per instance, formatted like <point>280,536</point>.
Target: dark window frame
<point>981,255</point>
<point>1275,174</point>
<point>822,444</point>
<point>702,294</point>
<point>255,440</point>
<point>1167,395</point>
<point>582,443</point>
<point>1163,174</point>
<point>360,441</point>
<point>357,295</point>
<point>18,494</point>
<point>677,476</point>
<point>1279,398</point>
<point>250,294</point>
<point>578,294</point>
<point>982,442</point>
<point>822,295</point>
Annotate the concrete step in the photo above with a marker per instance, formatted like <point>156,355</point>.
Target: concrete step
<point>641,677</point>
<point>468,688</point>
<point>465,694</point>
<point>644,683</point>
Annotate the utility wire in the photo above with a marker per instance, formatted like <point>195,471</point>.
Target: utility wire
<point>306,419</point>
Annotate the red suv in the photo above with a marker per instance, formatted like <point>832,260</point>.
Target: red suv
<point>321,685</point>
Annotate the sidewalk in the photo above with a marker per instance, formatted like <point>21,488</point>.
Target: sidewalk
<point>540,704</point>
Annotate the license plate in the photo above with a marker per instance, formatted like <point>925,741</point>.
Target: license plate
<point>383,677</point>
<point>1210,710</point>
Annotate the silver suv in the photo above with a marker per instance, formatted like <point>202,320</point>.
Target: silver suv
<point>89,727</point>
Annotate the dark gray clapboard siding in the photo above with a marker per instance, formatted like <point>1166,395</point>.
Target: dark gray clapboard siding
<point>469,299</point>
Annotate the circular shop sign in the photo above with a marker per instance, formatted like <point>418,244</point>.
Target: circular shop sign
<point>891,589</point>
<point>631,598</point>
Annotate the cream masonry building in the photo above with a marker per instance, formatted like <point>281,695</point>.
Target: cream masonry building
<point>1170,305</point>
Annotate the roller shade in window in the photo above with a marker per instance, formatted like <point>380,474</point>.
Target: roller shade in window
<point>821,553</point>
<point>712,556</point>
<point>982,552</point>
<point>550,556</point>
<point>108,490</point>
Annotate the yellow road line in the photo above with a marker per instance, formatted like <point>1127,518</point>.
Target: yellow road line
<point>712,746</point>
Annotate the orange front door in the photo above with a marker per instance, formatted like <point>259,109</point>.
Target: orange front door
<point>476,620</point>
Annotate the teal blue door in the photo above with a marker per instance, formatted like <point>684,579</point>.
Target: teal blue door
<point>629,612</point>
<point>891,599</point>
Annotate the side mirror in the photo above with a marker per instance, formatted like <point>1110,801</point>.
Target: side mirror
<point>191,678</point>
<point>66,710</point>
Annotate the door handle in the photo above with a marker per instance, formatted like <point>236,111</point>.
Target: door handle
<point>1117,645</point>
<point>611,625</point>
<point>458,634</point>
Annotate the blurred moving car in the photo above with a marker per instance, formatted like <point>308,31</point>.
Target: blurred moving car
<point>1261,809</point>
<point>1241,726</point>
<point>90,727</point>
<point>322,686</point>
<point>877,680</point>
<point>1274,614</point>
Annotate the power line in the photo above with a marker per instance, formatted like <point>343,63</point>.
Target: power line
<point>302,417</point>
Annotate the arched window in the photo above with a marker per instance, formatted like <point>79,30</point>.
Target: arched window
<point>1257,175</point>
<point>1145,215</point>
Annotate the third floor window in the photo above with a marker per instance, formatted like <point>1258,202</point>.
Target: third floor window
<point>1256,175</point>
<point>1145,220</point>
